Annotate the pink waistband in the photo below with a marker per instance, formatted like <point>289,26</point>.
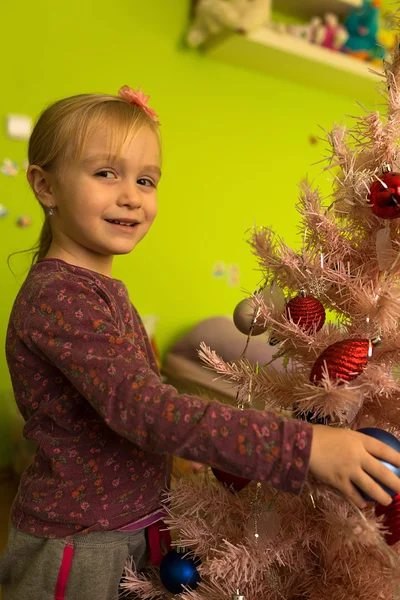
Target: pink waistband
<point>157,534</point>
<point>145,522</point>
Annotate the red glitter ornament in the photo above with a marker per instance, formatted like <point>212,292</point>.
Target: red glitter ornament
<point>343,360</point>
<point>385,195</point>
<point>231,481</point>
<point>391,520</point>
<point>307,312</point>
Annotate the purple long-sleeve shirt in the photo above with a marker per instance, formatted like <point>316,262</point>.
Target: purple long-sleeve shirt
<point>88,387</point>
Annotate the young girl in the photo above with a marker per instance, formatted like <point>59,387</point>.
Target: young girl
<point>87,384</point>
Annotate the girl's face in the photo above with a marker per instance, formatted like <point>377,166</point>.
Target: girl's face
<point>105,205</point>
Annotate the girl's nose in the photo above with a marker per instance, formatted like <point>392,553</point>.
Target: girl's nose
<point>130,196</point>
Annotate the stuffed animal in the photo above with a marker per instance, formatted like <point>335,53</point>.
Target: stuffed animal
<point>331,34</point>
<point>363,26</point>
<point>314,29</point>
<point>305,31</point>
<point>213,16</point>
<point>302,32</point>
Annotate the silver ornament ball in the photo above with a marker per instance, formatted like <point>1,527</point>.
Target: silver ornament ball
<point>243,317</point>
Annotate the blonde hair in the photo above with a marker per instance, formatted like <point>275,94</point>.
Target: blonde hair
<point>62,130</point>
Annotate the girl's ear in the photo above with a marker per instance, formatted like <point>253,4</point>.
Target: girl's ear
<point>40,182</point>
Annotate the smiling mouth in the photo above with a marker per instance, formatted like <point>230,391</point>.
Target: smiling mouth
<point>123,223</point>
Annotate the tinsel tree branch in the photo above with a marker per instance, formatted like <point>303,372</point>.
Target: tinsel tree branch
<point>326,529</point>
<point>145,585</point>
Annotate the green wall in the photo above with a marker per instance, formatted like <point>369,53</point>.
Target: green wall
<point>236,145</point>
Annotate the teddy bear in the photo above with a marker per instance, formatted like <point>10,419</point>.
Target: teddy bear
<point>214,16</point>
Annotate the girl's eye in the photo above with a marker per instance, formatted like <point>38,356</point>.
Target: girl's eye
<point>105,174</point>
<point>146,182</point>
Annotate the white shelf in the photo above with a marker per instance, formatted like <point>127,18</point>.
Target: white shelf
<point>312,8</point>
<point>283,55</point>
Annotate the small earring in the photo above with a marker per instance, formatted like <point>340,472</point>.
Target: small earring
<point>50,211</point>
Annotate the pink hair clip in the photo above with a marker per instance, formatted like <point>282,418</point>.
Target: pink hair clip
<point>138,98</point>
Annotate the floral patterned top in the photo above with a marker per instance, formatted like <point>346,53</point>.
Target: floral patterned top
<point>87,384</point>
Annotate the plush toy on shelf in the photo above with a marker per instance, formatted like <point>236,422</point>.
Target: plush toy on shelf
<point>328,33</point>
<point>331,34</point>
<point>314,28</point>
<point>303,31</point>
<point>363,27</point>
<point>214,16</point>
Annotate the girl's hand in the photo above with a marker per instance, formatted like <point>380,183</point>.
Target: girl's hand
<point>184,467</point>
<point>196,467</point>
<point>345,459</point>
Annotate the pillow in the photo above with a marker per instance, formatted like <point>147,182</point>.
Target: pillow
<point>222,336</point>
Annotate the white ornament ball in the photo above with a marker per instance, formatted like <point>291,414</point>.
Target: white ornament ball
<point>243,317</point>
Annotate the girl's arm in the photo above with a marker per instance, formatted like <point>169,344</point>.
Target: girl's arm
<point>76,330</point>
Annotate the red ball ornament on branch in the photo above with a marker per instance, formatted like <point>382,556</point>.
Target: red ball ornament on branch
<point>307,312</point>
<point>343,360</point>
<point>385,195</point>
<point>391,520</point>
<point>231,481</point>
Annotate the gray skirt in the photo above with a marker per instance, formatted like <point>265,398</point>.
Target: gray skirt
<point>33,568</point>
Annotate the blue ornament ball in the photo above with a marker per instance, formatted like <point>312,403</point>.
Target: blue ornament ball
<point>390,440</point>
<point>178,569</point>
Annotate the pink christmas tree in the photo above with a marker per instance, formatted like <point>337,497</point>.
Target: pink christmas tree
<point>268,545</point>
